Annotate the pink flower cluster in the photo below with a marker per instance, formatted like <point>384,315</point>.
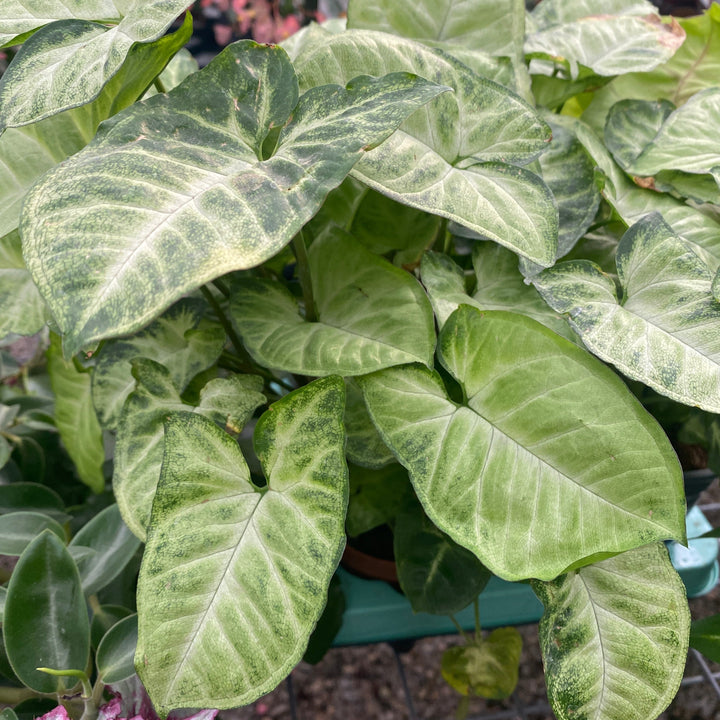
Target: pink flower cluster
<point>260,19</point>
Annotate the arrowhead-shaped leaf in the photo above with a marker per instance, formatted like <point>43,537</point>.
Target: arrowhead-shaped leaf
<point>45,621</point>
<point>22,310</point>
<point>141,432</point>
<point>665,330</point>
<point>75,416</point>
<point>614,637</point>
<point>694,67</point>
<point>371,315</point>
<point>67,63</point>
<point>607,44</point>
<point>631,202</point>
<point>498,286</point>
<point>486,471</point>
<point>199,201</point>
<point>178,340</point>
<point>450,160</point>
<point>670,140</point>
<point>235,577</point>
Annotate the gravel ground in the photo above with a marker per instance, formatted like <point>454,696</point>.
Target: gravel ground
<point>363,683</point>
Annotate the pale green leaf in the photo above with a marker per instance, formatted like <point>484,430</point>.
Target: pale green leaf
<point>614,637</point>
<point>487,471</point>
<point>555,12</point>
<point>371,315</point>
<point>480,24</point>
<point>665,332</point>
<point>437,575</point>
<point>449,159</point>
<point>113,545</point>
<point>22,310</point>
<point>28,152</point>
<point>364,445</point>
<point>45,622</point>
<point>176,209</point>
<point>235,577</point>
<point>498,286</point>
<point>487,667</point>
<point>607,44</point>
<point>67,63</point>
<point>140,433</point>
<point>75,416</point>
<point>178,340</point>
<point>694,67</point>
<point>19,529</point>
<point>20,18</point>
<point>700,229</point>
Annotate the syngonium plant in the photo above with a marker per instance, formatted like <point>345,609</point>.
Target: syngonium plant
<point>397,273</point>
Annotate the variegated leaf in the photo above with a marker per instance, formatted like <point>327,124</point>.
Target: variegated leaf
<point>614,637</point>
<point>496,473</point>
<point>234,577</point>
<point>175,209</point>
<point>666,331</point>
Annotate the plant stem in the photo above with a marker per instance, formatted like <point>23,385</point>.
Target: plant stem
<point>298,246</point>
<point>15,695</point>
<point>159,85</point>
<point>458,627</point>
<point>227,325</point>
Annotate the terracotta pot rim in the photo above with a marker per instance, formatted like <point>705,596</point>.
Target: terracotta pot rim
<point>368,565</point>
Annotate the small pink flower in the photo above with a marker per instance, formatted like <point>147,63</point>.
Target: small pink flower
<point>58,713</point>
<point>288,27</point>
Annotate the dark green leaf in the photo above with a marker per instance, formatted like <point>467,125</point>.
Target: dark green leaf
<point>104,617</point>
<point>437,575</point>
<point>18,529</point>
<point>45,622</point>
<point>705,634</point>
<point>32,497</point>
<point>114,547</point>
<point>375,497</point>
<point>116,651</point>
